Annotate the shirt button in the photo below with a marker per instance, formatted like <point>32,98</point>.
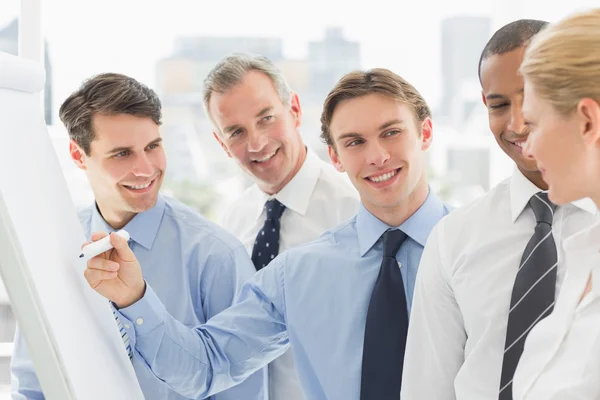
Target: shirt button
<point>126,326</point>
<point>139,321</point>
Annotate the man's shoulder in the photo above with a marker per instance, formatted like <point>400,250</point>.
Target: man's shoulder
<point>475,212</point>
<point>342,236</point>
<point>196,227</point>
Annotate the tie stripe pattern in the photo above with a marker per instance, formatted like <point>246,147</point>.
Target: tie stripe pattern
<point>266,245</point>
<point>533,291</point>
<point>124,335</point>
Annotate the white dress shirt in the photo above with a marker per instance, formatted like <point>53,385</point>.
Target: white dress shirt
<point>460,308</point>
<point>316,199</point>
<point>561,359</point>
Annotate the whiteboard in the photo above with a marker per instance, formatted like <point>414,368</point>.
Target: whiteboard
<point>69,329</point>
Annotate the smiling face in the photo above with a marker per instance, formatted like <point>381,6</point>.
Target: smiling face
<point>125,165</point>
<point>259,131</point>
<point>566,147</point>
<point>503,95</point>
<point>380,144</point>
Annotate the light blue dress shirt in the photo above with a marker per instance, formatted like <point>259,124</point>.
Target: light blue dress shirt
<point>195,268</point>
<point>313,297</point>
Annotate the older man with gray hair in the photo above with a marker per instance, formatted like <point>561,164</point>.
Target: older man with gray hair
<point>295,196</point>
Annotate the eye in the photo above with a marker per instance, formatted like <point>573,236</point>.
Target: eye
<point>393,132</point>
<point>153,146</point>
<point>355,142</point>
<point>267,118</point>
<point>122,154</point>
<point>235,133</point>
<point>498,106</point>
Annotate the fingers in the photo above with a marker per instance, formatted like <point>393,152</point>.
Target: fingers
<point>102,264</point>
<point>96,276</point>
<point>122,248</point>
<point>98,235</point>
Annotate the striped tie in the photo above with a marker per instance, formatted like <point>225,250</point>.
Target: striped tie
<point>124,335</point>
<point>533,291</point>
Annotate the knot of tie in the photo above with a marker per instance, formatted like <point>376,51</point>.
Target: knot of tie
<point>274,209</point>
<point>392,240</point>
<point>542,207</point>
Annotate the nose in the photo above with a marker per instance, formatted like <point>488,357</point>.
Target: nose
<point>143,166</point>
<point>257,140</point>
<point>527,149</point>
<point>517,122</point>
<point>378,154</point>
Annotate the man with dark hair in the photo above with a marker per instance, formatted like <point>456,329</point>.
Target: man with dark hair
<point>341,302</point>
<point>195,267</point>
<point>490,270</point>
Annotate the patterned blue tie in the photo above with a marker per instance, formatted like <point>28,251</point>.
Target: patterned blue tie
<point>266,245</point>
<point>122,330</point>
<point>124,335</point>
<point>386,327</point>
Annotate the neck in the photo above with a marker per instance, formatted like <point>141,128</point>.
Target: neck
<point>596,199</point>
<point>535,177</point>
<point>397,215</point>
<point>115,219</point>
<point>273,189</point>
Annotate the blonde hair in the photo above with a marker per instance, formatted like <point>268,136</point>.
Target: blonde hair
<point>563,61</point>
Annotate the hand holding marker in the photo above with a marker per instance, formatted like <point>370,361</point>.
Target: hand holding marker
<point>100,246</point>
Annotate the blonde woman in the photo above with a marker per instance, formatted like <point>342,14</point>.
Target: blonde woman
<point>561,359</point>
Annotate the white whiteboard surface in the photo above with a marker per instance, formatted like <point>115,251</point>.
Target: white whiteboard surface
<point>69,329</point>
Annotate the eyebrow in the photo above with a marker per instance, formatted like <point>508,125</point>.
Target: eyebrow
<point>235,127</point>
<point>495,96</point>
<point>120,149</point>
<point>381,127</point>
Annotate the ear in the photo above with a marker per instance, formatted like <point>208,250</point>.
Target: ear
<point>588,111</point>
<point>483,99</point>
<point>426,134</point>
<point>296,108</point>
<point>216,135</point>
<point>335,160</point>
<point>77,155</point>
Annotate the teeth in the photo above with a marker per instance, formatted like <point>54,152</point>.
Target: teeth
<point>144,186</point>
<point>268,157</point>
<point>520,144</point>
<point>384,177</point>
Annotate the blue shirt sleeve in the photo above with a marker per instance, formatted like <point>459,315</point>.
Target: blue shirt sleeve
<point>215,356</point>
<point>223,275</point>
<point>25,384</point>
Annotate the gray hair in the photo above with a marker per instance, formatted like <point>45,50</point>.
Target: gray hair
<point>231,70</point>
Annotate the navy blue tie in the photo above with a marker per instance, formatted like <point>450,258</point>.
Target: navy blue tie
<point>386,327</point>
<point>266,245</point>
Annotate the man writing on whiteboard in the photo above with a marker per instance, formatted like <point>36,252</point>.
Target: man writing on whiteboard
<point>113,122</point>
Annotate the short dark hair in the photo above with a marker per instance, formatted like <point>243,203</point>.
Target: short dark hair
<point>106,94</point>
<point>510,37</point>
<point>361,83</point>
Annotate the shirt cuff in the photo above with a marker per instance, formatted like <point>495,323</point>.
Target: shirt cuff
<point>146,314</point>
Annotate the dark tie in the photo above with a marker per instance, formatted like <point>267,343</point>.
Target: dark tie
<point>266,245</point>
<point>533,291</point>
<point>386,327</point>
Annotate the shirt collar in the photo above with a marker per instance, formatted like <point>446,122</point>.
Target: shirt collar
<point>142,228</point>
<point>522,189</point>
<point>296,194</point>
<point>417,227</point>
